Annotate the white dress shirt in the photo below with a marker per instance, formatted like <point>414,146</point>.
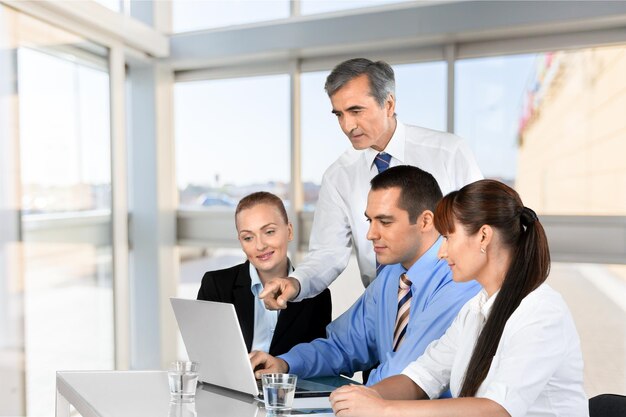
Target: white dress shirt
<point>339,222</point>
<point>537,369</point>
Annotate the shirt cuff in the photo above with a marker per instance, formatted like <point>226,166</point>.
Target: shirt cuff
<point>295,365</point>
<point>304,287</point>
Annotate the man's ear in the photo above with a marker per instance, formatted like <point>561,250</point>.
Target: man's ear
<point>426,220</point>
<point>390,105</point>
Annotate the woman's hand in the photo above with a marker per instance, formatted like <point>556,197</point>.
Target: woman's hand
<point>357,401</point>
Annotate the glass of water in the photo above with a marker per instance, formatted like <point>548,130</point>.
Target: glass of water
<point>278,391</point>
<point>183,379</point>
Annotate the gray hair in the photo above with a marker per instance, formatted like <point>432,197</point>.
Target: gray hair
<point>380,75</point>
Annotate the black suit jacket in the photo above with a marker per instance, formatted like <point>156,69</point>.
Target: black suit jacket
<point>300,322</point>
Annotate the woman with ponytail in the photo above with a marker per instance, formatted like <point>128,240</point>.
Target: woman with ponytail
<point>513,350</point>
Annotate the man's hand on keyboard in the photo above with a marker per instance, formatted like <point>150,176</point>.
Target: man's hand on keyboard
<point>264,363</point>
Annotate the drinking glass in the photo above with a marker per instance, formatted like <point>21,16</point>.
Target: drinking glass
<point>278,391</point>
<point>183,379</point>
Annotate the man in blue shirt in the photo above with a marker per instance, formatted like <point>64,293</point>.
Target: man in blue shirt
<point>400,208</point>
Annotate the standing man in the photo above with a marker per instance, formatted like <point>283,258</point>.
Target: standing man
<point>410,304</point>
<point>362,94</point>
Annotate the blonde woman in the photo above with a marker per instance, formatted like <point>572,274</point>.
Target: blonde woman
<point>264,232</point>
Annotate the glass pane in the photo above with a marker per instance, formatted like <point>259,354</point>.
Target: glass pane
<point>68,308</point>
<point>12,396</point>
<point>232,138</point>
<point>189,15</point>
<point>65,258</point>
<point>322,138</point>
<point>489,94</point>
<point>66,152</point>
<point>421,94</point>
<point>420,100</point>
<point>323,6</point>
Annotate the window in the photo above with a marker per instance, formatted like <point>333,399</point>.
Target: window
<point>64,134</point>
<point>489,94</point>
<point>421,94</point>
<point>68,287</point>
<point>68,311</point>
<point>322,138</point>
<point>232,138</point>
<point>65,182</point>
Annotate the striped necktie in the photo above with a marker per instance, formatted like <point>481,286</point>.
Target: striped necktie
<point>404,305</point>
<point>382,163</point>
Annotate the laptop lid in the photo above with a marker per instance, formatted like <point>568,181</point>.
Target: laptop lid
<point>213,338</point>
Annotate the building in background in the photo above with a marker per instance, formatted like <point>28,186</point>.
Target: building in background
<point>573,134</point>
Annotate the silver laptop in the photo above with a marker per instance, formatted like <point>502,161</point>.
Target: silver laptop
<point>213,338</point>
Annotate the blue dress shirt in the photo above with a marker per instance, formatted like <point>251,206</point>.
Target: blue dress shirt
<point>363,335</point>
<point>264,320</point>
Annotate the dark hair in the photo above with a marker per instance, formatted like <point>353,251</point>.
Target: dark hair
<point>262,197</point>
<point>380,76</point>
<point>489,202</point>
<point>419,190</point>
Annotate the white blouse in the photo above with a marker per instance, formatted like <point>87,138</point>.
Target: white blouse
<point>537,369</point>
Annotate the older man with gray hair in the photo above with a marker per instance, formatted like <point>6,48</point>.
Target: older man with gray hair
<point>362,94</point>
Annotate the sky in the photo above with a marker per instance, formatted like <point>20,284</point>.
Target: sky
<point>489,101</point>
<point>64,121</point>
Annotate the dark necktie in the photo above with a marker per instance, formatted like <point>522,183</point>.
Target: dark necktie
<point>382,163</point>
<point>404,305</point>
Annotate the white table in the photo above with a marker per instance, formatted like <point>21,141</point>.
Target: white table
<point>144,393</point>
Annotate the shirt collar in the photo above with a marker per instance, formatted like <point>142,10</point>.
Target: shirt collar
<point>485,303</point>
<point>255,280</point>
<point>426,262</point>
<point>395,147</point>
